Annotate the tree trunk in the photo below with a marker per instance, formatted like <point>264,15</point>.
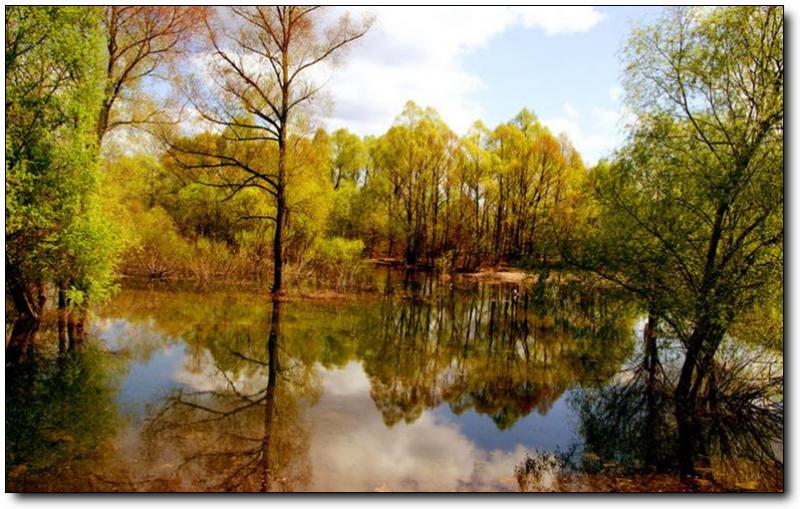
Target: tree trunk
<point>651,367</point>
<point>23,336</point>
<point>62,318</point>
<point>277,246</point>
<point>498,224</point>
<point>701,348</point>
<point>280,191</point>
<point>71,329</point>
<point>102,121</point>
<point>79,331</point>
<point>29,299</point>
<point>685,409</point>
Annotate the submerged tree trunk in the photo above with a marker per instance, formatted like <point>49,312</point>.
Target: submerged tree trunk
<point>29,300</point>
<point>701,347</point>
<point>411,253</point>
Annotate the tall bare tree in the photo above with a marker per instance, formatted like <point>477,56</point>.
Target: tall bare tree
<point>261,76</point>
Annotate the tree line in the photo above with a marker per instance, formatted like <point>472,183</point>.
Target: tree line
<point>418,195</point>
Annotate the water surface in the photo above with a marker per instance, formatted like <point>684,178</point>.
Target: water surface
<point>426,387</point>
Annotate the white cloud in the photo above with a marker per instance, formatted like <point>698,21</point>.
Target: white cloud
<point>595,135</point>
<point>201,373</point>
<point>557,20</point>
<point>571,112</point>
<point>352,449</point>
<point>414,54</point>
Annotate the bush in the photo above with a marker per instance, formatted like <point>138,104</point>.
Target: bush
<point>209,259</point>
<point>254,256</point>
<point>338,263</point>
<point>159,251</point>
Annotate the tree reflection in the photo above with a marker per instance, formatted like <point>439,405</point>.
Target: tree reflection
<point>503,351</point>
<point>624,423</point>
<point>631,426</point>
<point>243,435</point>
<point>500,350</point>
<point>240,420</point>
<point>60,419</point>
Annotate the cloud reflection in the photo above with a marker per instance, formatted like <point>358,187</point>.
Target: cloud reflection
<point>430,454</point>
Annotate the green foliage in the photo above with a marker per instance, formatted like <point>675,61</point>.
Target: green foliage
<point>210,259</point>
<point>691,211</point>
<point>339,262</point>
<point>689,214</point>
<point>687,217</point>
<point>56,229</point>
<point>344,218</point>
<point>92,247</point>
<point>418,190</point>
<point>159,251</point>
<point>489,196</point>
<point>348,157</point>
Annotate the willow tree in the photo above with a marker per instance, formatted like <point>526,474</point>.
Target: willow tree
<point>415,157</point>
<point>535,177</point>
<point>692,209</point>
<point>259,88</point>
<point>348,158</point>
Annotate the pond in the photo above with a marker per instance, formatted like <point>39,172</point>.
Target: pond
<point>424,386</point>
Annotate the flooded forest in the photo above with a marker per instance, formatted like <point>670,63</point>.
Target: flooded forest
<point>208,289</point>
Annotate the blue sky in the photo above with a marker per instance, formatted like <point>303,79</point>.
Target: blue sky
<point>489,62</point>
<point>565,78</point>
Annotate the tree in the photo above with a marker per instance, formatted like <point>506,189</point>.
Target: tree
<point>348,157</point>
<point>473,179</point>
<point>692,208</point>
<point>53,229</point>
<point>261,77</point>
<point>141,41</point>
<point>507,194</point>
<point>536,175</point>
<point>416,156</point>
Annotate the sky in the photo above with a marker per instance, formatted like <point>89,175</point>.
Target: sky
<point>488,63</point>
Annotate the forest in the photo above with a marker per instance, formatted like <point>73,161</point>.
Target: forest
<point>184,147</point>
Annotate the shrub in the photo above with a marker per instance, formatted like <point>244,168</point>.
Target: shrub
<point>209,259</point>
<point>158,250</point>
<point>338,263</point>
<point>254,256</point>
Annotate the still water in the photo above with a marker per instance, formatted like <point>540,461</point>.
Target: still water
<point>425,386</point>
